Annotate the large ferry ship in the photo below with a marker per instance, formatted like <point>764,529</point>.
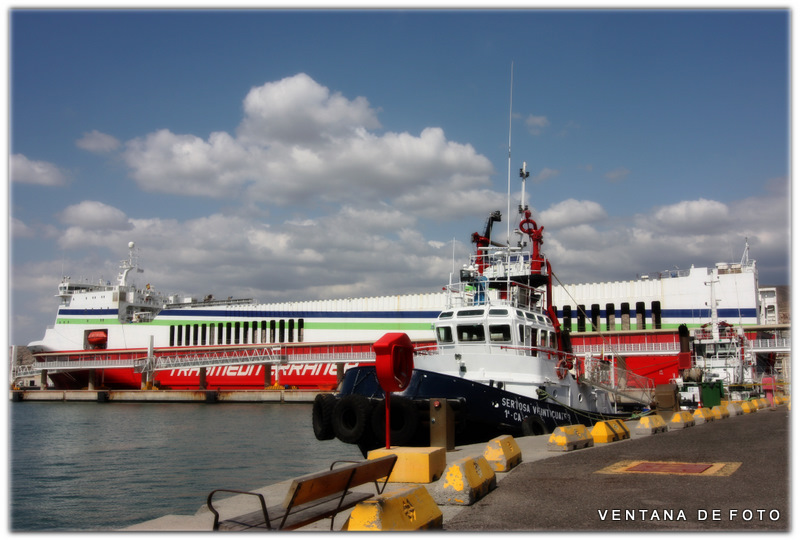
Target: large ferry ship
<point>634,321</point>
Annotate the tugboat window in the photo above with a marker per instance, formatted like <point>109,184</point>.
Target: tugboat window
<point>471,332</point>
<point>500,332</point>
<point>444,334</point>
<point>498,312</point>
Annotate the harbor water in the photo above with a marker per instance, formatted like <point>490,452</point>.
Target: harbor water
<point>104,466</point>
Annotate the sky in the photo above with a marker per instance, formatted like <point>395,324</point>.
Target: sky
<point>291,155</point>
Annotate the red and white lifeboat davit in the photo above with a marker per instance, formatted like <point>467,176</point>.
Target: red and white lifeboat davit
<point>97,339</point>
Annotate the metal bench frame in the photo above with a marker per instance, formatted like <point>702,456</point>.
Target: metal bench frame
<point>312,497</point>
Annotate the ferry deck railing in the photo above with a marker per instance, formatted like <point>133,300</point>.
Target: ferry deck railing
<point>276,355</point>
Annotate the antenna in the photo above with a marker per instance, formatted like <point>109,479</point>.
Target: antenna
<point>510,111</point>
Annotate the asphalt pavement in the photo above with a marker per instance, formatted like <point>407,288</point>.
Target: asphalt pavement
<point>592,489</point>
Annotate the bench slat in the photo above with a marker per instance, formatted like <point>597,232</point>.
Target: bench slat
<point>299,516</point>
<point>322,484</point>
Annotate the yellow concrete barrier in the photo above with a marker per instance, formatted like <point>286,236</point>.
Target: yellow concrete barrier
<point>748,407</point>
<point>606,431</point>
<point>465,481</point>
<point>421,465</point>
<point>720,412</point>
<point>650,425</point>
<point>503,453</point>
<point>681,420</point>
<point>566,438</point>
<point>703,415</point>
<point>625,432</point>
<point>408,509</point>
<point>734,409</point>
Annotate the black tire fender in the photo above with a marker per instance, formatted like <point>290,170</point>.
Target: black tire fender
<point>322,416</point>
<point>533,425</point>
<point>404,420</point>
<point>350,417</point>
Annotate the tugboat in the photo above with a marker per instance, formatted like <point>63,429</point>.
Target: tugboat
<point>501,360</point>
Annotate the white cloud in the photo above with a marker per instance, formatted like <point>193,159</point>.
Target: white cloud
<point>20,229</point>
<point>700,216</point>
<point>298,110</point>
<point>536,124</point>
<point>618,174</point>
<point>545,174</point>
<point>571,212</point>
<point>95,215</point>
<point>300,142</point>
<point>99,143</point>
<point>26,171</point>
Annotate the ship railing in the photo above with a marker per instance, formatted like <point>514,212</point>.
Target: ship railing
<point>628,348</point>
<point>29,370</point>
<point>625,385</point>
<point>468,295</point>
<point>771,345</point>
<point>270,355</point>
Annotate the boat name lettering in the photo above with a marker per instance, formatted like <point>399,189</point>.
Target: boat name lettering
<point>518,410</point>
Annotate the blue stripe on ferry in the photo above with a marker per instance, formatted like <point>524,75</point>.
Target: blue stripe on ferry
<point>227,313</point>
<point>705,313</point>
<point>88,311</point>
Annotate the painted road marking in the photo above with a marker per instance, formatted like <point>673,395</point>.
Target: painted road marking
<point>672,467</point>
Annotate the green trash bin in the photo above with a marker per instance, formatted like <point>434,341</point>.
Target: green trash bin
<point>711,393</point>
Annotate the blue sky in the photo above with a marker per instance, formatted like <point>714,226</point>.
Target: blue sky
<point>287,155</point>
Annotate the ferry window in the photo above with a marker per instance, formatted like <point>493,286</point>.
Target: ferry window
<point>228,333</point>
<point>567,317</point>
<point>291,330</point>
<point>195,334</point>
<point>220,331</point>
<point>300,327</point>
<point>444,334</point>
<point>656,314</point>
<point>625,313</point>
<point>500,332</point>
<point>179,337</point>
<point>281,331</point>
<point>498,312</point>
<point>237,332</point>
<point>204,334</point>
<point>272,331</point>
<point>581,318</point>
<point>471,332</point>
<point>171,336</point>
<point>263,331</point>
<point>255,332</point>
<point>211,334</point>
<point>596,317</point>
<point>640,324</point>
<point>187,339</point>
<point>610,316</point>
<point>446,315</point>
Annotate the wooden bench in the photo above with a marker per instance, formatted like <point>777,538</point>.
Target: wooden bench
<point>311,497</point>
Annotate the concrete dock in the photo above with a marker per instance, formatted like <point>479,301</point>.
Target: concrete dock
<point>599,488</point>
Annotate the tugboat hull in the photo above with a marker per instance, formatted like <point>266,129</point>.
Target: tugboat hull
<point>481,411</point>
